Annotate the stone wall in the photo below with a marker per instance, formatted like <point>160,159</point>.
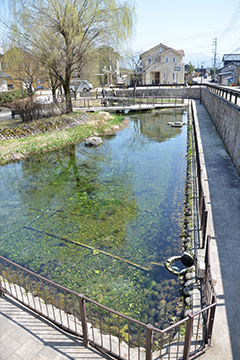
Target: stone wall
<point>186,92</point>
<point>226,118</point>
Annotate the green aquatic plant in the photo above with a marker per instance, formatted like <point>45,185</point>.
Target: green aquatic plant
<point>84,217</point>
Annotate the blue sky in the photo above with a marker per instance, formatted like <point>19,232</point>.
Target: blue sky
<point>189,26</point>
<point>183,25</point>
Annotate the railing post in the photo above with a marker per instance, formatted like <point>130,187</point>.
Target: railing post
<point>149,341</point>
<point>1,290</point>
<point>235,99</point>
<point>83,318</point>
<point>188,337</point>
<point>211,321</point>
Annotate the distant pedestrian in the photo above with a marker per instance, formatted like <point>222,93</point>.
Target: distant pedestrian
<point>96,93</point>
<point>114,93</point>
<point>103,93</point>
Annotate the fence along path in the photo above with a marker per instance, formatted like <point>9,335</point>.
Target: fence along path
<point>83,317</point>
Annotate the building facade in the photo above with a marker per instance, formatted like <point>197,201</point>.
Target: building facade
<point>162,65</point>
<point>22,71</point>
<point>229,74</point>
<point>231,59</point>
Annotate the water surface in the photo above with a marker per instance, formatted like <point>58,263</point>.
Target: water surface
<point>102,221</point>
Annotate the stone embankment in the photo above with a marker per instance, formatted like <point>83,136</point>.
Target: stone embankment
<point>43,126</point>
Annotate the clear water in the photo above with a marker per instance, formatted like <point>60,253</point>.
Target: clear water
<point>108,217</point>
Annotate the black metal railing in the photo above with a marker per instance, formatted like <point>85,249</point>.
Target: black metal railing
<point>203,212</point>
<point>229,94</point>
<point>126,100</point>
<point>115,333</point>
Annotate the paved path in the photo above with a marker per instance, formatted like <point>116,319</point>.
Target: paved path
<point>26,336</point>
<point>5,115</point>
<point>224,187</point>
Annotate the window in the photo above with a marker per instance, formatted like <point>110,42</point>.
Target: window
<point>164,75</point>
<point>4,65</point>
<point>167,59</point>
<point>174,59</point>
<point>173,76</point>
<point>160,49</point>
<point>40,81</point>
<point>149,59</point>
<point>170,53</point>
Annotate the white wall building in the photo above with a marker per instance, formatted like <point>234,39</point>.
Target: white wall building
<point>162,65</point>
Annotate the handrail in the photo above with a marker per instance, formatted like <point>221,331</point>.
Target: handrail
<point>101,326</point>
<point>224,92</point>
<point>203,212</point>
<point>128,100</point>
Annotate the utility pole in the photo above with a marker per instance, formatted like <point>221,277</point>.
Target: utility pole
<point>215,55</point>
<point>201,85</point>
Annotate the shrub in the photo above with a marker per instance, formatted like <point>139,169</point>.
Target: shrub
<point>27,109</point>
<point>30,110</point>
<point>9,96</point>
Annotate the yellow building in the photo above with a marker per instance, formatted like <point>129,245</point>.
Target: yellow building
<point>24,72</point>
<point>162,65</point>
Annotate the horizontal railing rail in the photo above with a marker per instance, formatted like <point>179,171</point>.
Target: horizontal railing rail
<point>203,212</point>
<point>126,100</point>
<point>115,333</point>
<point>229,94</point>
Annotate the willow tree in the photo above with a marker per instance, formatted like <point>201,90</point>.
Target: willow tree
<point>64,34</point>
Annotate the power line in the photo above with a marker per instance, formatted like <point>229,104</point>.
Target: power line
<point>231,22</point>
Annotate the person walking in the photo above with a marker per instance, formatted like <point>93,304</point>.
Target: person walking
<point>103,93</point>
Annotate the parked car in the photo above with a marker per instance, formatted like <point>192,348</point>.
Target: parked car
<point>80,85</point>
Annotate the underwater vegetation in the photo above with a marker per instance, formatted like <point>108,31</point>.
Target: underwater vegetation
<point>102,221</point>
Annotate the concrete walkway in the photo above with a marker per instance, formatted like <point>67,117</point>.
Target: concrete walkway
<point>26,336</point>
<point>224,187</point>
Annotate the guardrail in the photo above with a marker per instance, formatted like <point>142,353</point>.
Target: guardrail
<point>127,101</point>
<point>226,93</point>
<point>115,333</point>
<point>203,213</point>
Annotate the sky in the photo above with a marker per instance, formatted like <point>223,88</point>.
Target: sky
<point>192,26</point>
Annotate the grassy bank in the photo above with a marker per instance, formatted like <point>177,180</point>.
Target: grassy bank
<point>77,128</point>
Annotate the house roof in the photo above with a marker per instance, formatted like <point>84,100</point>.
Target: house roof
<point>231,57</point>
<point>4,75</point>
<point>167,48</point>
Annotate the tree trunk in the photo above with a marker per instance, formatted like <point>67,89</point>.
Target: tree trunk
<point>54,95</point>
<point>134,89</point>
<point>67,94</point>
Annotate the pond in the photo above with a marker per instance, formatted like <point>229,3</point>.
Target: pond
<point>102,221</point>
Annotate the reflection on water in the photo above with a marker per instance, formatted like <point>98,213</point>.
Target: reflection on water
<point>102,221</point>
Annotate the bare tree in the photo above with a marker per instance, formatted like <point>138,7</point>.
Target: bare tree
<point>63,34</point>
<point>136,69</point>
<point>22,67</point>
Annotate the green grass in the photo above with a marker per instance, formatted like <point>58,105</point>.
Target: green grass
<point>17,149</point>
